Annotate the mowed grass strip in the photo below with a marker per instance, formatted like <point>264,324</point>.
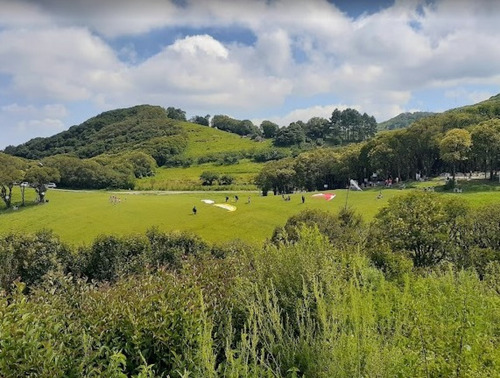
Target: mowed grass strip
<point>79,216</point>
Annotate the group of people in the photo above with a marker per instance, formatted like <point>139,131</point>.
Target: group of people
<point>114,199</point>
<point>236,198</point>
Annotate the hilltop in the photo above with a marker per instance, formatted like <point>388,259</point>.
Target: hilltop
<point>403,120</point>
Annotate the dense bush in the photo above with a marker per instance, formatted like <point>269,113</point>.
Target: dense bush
<point>29,257</point>
<point>296,309</point>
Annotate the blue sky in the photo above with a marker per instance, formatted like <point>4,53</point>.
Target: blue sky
<point>62,62</point>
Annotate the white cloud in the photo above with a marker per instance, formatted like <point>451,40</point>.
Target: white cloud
<point>67,64</point>
<point>22,122</point>
<point>305,114</point>
<point>62,52</point>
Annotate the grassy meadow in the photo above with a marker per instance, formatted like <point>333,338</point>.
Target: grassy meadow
<point>175,178</point>
<point>205,140</point>
<point>79,216</point>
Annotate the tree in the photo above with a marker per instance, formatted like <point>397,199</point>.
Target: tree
<point>208,177</point>
<point>289,136</point>
<point>143,165</point>
<point>175,113</point>
<point>454,147</point>
<point>269,129</point>
<point>350,126</point>
<point>316,128</point>
<point>421,225</point>
<point>38,178</point>
<point>204,121</point>
<point>226,180</point>
<point>486,145</point>
<point>10,174</point>
<point>278,176</point>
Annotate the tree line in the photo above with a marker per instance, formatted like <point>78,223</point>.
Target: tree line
<point>426,148</point>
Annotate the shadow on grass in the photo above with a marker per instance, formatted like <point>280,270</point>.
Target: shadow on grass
<point>473,186</point>
<point>18,208</point>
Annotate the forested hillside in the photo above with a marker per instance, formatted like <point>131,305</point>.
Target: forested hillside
<point>459,140</point>
<point>110,132</point>
<point>402,120</point>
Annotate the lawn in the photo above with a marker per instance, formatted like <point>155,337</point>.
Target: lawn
<point>79,216</point>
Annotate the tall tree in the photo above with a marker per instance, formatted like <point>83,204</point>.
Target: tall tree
<point>10,174</point>
<point>486,145</point>
<point>269,129</point>
<point>39,177</point>
<point>350,126</point>
<point>455,147</point>
<point>176,113</point>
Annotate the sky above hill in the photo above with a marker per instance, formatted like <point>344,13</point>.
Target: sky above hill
<point>64,61</point>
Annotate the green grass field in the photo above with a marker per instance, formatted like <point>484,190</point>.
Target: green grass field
<point>79,216</point>
<point>206,140</point>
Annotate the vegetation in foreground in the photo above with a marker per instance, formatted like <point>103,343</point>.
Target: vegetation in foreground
<point>338,299</point>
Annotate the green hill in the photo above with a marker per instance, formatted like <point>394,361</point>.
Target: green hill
<point>109,132</point>
<point>142,127</point>
<point>462,117</point>
<point>402,120</point>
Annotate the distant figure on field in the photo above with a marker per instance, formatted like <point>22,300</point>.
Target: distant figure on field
<point>379,196</point>
<point>248,199</point>
<point>194,210</point>
<point>227,198</point>
<point>303,199</point>
<point>236,198</point>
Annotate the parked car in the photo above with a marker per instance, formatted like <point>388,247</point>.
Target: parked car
<point>50,185</point>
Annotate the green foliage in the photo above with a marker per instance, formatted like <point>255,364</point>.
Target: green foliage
<point>99,173</point>
<point>270,154</point>
<point>423,226</point>
<point>486,145</point>
<point>226,123</point>
<point>226,179</point>
<point>455,146</point>
<point>109,132</point>
<point>175,113</point>
<point>30,257</point>
<point>403,120</point>
<point>348,126</point>
<point>204,121</point>
<point>208,177</point>
<point>10,174</point>
<point>343,229</point>
<point>292,309</point>
<point>289,136</point>
<point>269,129</point>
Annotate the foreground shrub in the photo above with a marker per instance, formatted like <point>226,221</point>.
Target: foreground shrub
<point>342,229</point>
<point>423,226</point>
<point>29,257</point>
<point>293,309</point>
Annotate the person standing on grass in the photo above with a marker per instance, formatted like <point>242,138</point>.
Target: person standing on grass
<point>194,210</point>
<point>303,199</point>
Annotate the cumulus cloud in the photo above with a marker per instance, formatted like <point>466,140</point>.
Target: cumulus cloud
<point>305,114</point>
<point>65,52</point>
<point>22,122</point>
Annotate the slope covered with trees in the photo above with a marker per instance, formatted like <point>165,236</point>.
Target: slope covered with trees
<point>109,132</point>
<point>402,120</point>
<point>460,140</point>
